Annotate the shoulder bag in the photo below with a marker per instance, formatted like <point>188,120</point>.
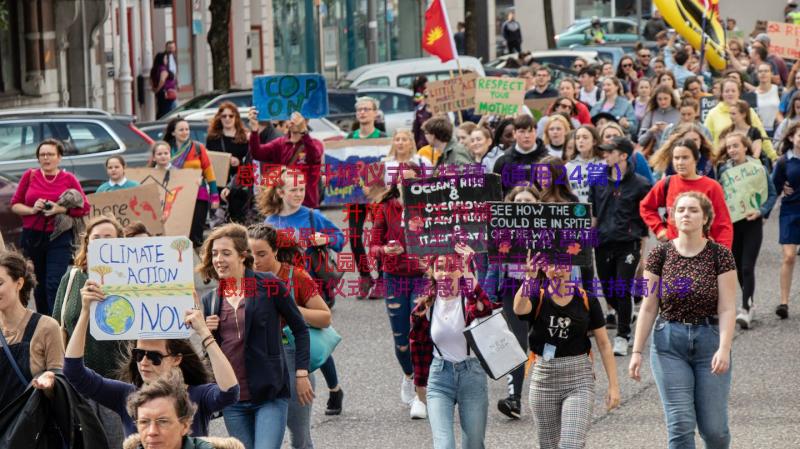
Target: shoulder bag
<point>64,302</point>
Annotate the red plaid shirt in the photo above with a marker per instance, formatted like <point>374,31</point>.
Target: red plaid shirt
<point>420,335</point>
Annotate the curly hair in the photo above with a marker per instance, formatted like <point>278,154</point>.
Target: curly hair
<point>169,386</point>
<point>662,159</point>
<point>215,127</point>
<point>705,206</point>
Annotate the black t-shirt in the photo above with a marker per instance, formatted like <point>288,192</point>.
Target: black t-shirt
<point>564,327</point>
<point>227,145</point>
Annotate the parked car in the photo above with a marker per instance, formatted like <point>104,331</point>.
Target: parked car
<point>403,72</point>
<point>396,105</point>
<point>616,30</point>
<point>614,52</point>
<point>211,100</point>
<point>90,136</point>
<point>563,58</point>
<point>10,223</point>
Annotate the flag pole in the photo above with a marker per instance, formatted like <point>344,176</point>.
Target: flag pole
<point>703,31</point>
<point>460,117</point>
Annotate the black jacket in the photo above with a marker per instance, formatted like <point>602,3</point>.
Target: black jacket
<point>617,208</point>
<point>33,421</point>
<point>514,159</point>
<point>267,375</point>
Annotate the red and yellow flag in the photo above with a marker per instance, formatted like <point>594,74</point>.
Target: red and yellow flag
<point>436,37</point>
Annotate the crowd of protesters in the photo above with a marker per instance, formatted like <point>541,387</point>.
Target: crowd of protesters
<point>638,127</point>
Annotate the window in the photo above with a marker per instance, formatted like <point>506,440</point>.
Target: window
<point>83,138</point>
<point>341,102</point>
<point>240,100</point>
<point>18,141</point>
<point>391,103</point>
<point>623,28</point>
<point>382,81</point>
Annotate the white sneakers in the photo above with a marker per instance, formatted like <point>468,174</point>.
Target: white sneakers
<point>744,318</point>
<point>407,391</point>
<point>620,346</point>
<point>418,409</point>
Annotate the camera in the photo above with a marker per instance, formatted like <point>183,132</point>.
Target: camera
<point>48,205</point>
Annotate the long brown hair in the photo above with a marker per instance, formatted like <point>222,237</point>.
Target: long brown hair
<point>722,153</point>
<point>268,201</point>
<point>557,189</point>
<point>194,369</point>
<point>81,255</point>
<point>238,235</point>
<point>215,127</point>
<point>662,159</point>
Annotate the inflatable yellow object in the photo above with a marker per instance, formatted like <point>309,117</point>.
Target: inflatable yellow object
<point>686,17</point>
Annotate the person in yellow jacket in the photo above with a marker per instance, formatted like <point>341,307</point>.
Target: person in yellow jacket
<point>719,117</point>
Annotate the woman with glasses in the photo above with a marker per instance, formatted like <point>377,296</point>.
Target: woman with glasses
<point>629,75</point>
<point>563,106</point>
<point>50,202</point>
<point>227,133</point>
<point>149,360</point>
<point>569,88</point>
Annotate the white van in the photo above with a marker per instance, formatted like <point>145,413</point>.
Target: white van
<point>402,73</point>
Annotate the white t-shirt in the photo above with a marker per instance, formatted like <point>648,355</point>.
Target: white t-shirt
<point>768,107</point>
<point>590,98</point>
<point>447,330</point>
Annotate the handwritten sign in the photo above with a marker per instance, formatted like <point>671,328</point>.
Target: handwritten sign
<point>549,228</point>
<point>440,212</point>
<point>706,105</point>
<point>222,165</point>
<point>177,190</point>
<point>539,106</point>
<point>745,188</point>
<point>148,283</point>
<point>140,203</point>
<point>347,161</point>
<point>784,39</point>
<point>453,94</point>
<point>277,96</point>
<point>499,96</point>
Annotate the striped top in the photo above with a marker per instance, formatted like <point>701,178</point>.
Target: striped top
<point>193,155</point>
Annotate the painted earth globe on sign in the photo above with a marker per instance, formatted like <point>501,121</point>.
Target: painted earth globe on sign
<point>114,316</point>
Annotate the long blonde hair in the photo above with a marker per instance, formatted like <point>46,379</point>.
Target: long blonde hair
<point>269,201</point>
<point>393,150</point>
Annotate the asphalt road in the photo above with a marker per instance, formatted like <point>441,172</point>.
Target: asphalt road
<point>764,404</point>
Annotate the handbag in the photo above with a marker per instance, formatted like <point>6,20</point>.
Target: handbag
<point>495,346</point>
<point>64,334</point>
<point>322,342</point>
<point>171,94</point>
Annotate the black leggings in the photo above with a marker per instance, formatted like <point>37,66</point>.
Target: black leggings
<point>618,261</point>
<point>199,223</point>
<point>747,237</point>
<point>520,330</point>
<point>356,216</point>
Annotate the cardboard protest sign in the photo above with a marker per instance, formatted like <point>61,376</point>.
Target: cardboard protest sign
<point>549,228</point>
<point>141,203</point>
<point>453,94</point>
<point>346,161</point>
<point>745,188</point>
<point>440,212</point>
<point>539,106</point>
<point>148,283</point>
<point>784,39</point>
<point>222,166</point>
<point>177,190</point>
<point>499,96</point>
<point>2,242</point>
<point>706,105</point>
<point>277,96</point>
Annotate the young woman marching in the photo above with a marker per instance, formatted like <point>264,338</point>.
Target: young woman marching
<point>694,326</point>
<point>586,146</point>
<point>444,368</point>
<point>562,378</point>
<point>786,178</point>
<point>278,260</point>
<point>749,231</point>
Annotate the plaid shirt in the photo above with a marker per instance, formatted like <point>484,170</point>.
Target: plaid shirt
<point>420,335</point>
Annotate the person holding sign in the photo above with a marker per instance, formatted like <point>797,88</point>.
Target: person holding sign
<point>527,150</point>
<point>245,317</point>
<point>115,168</point>
<point>786,177</point>
<point>297,148</point>
<point>562,376</point>
<point>748,230</point>
<point>186,153</point>
<point>444,369</point>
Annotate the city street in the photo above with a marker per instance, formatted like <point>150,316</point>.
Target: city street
<point>764,403</point>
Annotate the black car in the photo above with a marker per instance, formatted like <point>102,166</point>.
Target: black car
<point>90,136</point>
<point>10,223</point>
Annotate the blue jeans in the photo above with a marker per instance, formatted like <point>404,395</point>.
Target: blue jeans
<point>457,384</point>
<point>257,426</point>
<point>399,302</point>
<point>299,416</point>
<point>692,396</point>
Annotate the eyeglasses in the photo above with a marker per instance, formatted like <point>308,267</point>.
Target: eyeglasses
<point>627,66</point>
<point>161,423</point>
<point>153,356</point>
<point>227,115</point>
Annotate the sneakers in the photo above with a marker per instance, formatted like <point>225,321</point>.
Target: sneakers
<point>509,406</point>
<point>782,311</point>
<point>335,402</point>
<point>418,409</point>
<point>744,318</point>
<point>620,346</point>
<point>407,391</point>
<point>611,321</point>
<point>364,286</point>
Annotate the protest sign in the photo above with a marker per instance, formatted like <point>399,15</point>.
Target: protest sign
<point>222,166</point>
<point>2,242</point>
<point>451,95</point>
<point>148,284</point>
<point>277,96</point>
<point>549,228</point>
<point>784,40</point>
<point>346,161</point>
<point>539,106</point>
<point>141,203</point>
<point>499,96</point>
<point>177,190</point>
<point>440,212</point>
<point>706,105</point>
<point>745,188</point>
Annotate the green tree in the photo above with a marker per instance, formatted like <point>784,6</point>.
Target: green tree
<point>219,43</point>
<point>180,246</point>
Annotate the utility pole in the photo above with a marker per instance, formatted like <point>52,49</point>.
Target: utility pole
<point>372,31</point>
<point>124,78</point>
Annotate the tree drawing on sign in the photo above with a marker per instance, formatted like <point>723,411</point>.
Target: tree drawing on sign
<point>180,246</point>
<point>102,270</point>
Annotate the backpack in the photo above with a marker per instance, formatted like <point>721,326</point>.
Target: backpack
<point>666,194</point>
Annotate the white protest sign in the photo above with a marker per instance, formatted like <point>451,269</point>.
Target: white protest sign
<point>148,284</point>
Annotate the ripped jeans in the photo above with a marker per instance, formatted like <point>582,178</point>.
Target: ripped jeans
<point>399,303</point>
